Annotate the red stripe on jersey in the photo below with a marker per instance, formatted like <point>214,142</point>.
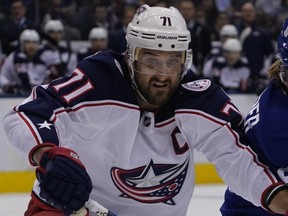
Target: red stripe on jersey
<point>30,128</point>
<point>105,104</point>
<point>164,123</point>
<point>234,133</point>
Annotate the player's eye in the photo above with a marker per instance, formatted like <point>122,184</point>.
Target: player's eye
<point>151,63</point>
<point>171,63</point>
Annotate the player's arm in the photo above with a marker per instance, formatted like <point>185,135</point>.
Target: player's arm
<point>37,118</point>
<point>32,129</point>
<point>220,138</point>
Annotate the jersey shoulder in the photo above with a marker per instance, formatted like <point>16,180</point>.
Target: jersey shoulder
<point>104,73</point>
<point>203,95</point>
<point>104,67</point>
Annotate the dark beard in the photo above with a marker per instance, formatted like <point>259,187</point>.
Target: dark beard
<point>160,97</point>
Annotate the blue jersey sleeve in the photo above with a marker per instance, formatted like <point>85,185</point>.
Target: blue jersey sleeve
<point>267,130</point>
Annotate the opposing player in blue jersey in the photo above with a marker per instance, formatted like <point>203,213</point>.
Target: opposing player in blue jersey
<point>121,130</point>
<point>266,130</point>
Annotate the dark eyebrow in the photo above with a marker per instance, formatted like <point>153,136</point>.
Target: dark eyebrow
<point>149,53</point>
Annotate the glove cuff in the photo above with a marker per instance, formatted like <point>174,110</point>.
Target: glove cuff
<point>34,149</point>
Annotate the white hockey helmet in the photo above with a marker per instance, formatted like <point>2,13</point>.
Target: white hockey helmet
<point>53,25</point>
<point>98,33</point>
<point>158,28</point>
<point>29,35</point>
<point>228,30</point>
<point>232,45</point>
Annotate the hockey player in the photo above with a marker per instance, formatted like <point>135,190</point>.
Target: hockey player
<point>266,129</point>
<point>230,69</point>
<point>98,38</point>
<point>122,129</point>
<point>61,60</point>
<point>23,69</point>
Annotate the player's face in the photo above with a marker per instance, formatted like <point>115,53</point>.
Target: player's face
<point>232,57</point>
<point>98,44</point>
<point>56,35</point>
<point>30,48</point>
<point>158,74</point>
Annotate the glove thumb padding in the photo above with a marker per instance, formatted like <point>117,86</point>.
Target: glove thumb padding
<point>63,179</point>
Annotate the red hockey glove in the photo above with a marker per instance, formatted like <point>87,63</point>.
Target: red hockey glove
<point>64,182</point>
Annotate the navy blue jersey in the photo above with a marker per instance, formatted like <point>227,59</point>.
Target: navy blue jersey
<point>267,130</point>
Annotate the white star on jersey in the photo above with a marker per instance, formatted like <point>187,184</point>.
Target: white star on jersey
<point>148,178</point>
<point>45,124</point>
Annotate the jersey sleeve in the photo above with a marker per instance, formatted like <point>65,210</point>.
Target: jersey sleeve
<point>216,129</point>
<point>40,117</point>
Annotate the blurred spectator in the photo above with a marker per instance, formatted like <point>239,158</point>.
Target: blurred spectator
<point>163,3</point>
<point>36,10</point>
<point>150,2</point>
<point>60,10</point>
<point>11,28</point>
<point>98,38</point>
<point>23,69</point>
<point>131,2</point>
<point>268,8</point>
<point>2,58</point>
<point>221,20</point>
<point>63,10</point>
<point>276,28</point>
<point>257,47</point>
<point>231,70</point>
<point>82,17</point>
<point>61,59</point>
<point>200,38</point>
<point>117,41</point>
<point>210,10</point>
<point>200,16</point>
<point>226,32</point>
<point>115,12</point>
<point>99,18</point>
<point>223,5</point>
